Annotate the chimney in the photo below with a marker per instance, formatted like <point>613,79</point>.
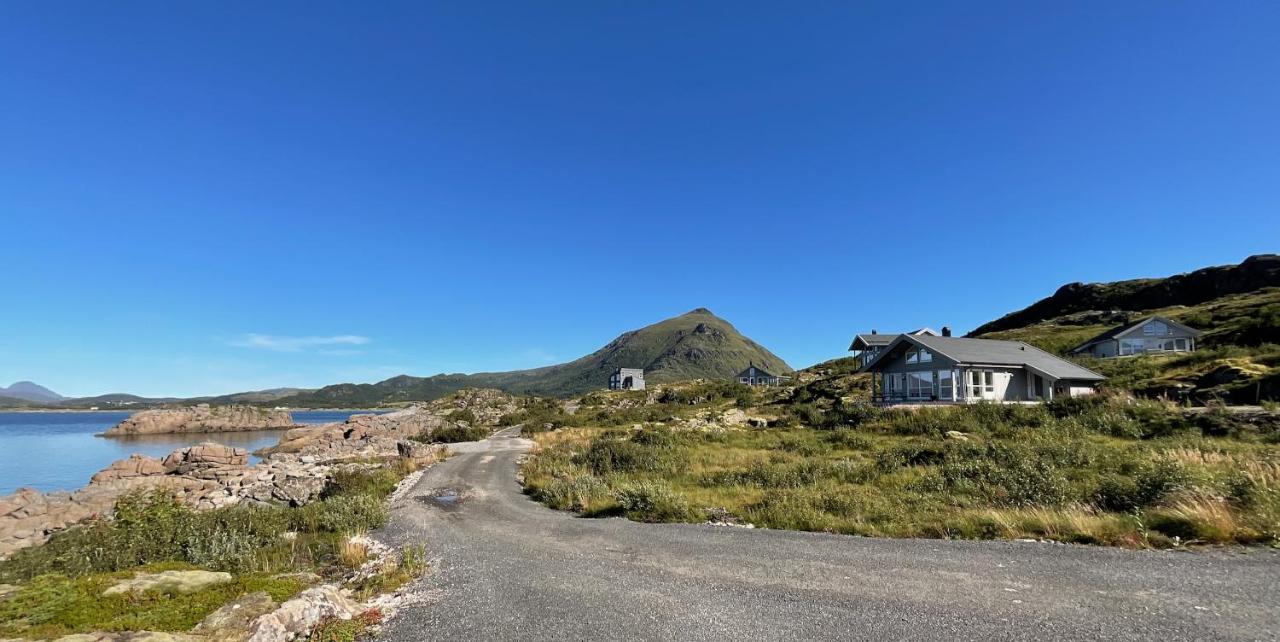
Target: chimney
<point>873,331</point>
<point>946,331</point>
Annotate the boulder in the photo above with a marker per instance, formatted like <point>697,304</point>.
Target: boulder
<point>205,455</point>
<point>134,466</point>
<point>202,418</point>
<point>230,623</point>
<point>295,618</point>
<point>183,582</point>
<point>419,451</point>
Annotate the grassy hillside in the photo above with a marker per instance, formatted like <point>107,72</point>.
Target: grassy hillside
<point>1238,358</point>
<point>694,345</point>
<point>1190,289</point>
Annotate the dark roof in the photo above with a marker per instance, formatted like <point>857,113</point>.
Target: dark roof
<point>759,371</point>
<point>869,340</point>
<point>996,353</point>
<point>1121,329</point>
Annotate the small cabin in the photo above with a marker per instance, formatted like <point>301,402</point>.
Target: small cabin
<point>627,379</point>
<point>756,376</point>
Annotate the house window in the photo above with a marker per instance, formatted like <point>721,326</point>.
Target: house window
<point>982,384</point>
<point>1132,346</point>
<point>1180,345</point>
<point>1155,329</point>
<point>926,356</point>
<point>944,384</point>
<point>912,356</point>
<point>920,385</point>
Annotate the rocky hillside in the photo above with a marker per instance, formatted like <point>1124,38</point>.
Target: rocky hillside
<point>1192,288</point>
<point>694,345</point>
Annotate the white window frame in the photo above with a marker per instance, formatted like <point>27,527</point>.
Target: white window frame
<point>946,391</point>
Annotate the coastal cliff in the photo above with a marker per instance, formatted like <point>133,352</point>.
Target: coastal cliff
<point>202,418</point>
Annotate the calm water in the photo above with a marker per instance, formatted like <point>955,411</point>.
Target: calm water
<point>58,450</point>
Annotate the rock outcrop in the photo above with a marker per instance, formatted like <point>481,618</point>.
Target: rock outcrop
<point>202,418</point>
<point>360,436</point>
<point>210,475</point>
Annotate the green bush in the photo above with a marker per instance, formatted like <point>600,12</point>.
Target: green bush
<point>454,434</point>
<point>341,514</point>
<point>650,501</point>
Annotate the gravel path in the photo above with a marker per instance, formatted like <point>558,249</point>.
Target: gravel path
<point>507,568</point>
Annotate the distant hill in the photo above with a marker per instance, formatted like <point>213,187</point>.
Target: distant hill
<point>697,344</point>
<point>29,391</point>
<point>1193,288</point>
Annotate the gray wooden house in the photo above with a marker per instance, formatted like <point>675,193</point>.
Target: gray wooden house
<point>866,346</point>
<point>1153,334</point>
<point>756,376</point>
<point>930,369</point>
<point>627,379</point>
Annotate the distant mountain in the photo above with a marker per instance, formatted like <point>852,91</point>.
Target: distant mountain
<point>697,344</point>
<point>29,391</point>
<point>1193,288</point>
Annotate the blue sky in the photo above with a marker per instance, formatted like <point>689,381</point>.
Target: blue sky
<point>201,198</point>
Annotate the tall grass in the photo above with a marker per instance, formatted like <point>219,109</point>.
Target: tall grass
<point>1104,471</point>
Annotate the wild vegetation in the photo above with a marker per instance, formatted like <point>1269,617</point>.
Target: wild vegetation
<point>1109,470</point>
<point>265,548</point>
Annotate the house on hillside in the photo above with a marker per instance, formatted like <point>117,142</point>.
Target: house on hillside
<point>627,379</point>
<point>926,368</point>
<point>866,346</point>
<point>756,376</point>
<point>1153,334</point>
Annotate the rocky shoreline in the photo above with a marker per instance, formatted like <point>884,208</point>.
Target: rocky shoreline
<point>211,475</point>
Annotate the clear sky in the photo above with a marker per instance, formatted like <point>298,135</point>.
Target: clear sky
<point>201,198</point>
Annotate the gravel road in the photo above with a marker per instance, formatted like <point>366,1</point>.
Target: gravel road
<point>506,568</point>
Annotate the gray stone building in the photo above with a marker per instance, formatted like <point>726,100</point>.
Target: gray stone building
<point>627,379</point>
<point>1154,334</point>
<point>929,369</point>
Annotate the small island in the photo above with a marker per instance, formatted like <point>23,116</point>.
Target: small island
<point>202,418</point>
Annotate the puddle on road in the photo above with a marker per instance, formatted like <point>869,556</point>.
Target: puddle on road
<point>446,498</point>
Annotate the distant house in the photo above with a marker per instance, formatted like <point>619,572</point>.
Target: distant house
<point>756,376</point>
<point>627,379</point>
<point>1152,334</point>
<point>866,346</point>
<point>927,368</point>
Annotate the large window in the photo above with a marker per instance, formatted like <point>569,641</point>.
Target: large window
<point>919,355</point>
<point>920,385</point>
<point>1132,346</point>
<point>945,386</point>
<point>982,384</point>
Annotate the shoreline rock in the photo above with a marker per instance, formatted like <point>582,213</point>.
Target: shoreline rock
<point>210,475</point>
<point>202,418</point>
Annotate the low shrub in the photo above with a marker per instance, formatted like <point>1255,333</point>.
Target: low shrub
<point>455,433</point>
<point>650,501</point>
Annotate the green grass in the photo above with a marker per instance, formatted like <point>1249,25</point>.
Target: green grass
<point>1102,471</point>
<point>62,580</point>
<point>54,605</point>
